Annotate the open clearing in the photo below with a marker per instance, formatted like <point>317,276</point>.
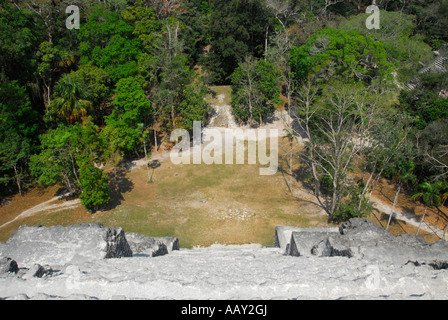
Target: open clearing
<point>200,204</point>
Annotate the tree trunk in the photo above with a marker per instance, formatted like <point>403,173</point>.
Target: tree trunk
<point>288,96</point>
<point>115,172</point>
<point>114,163</point>
<point>74,168</point>
<point>421,222</point>
<point>361,198</point>
<point>47,93</point>
<point>290,165</point>
<point>250,101</point>
<point>393,206</point>
<point>68,184</point>
<point>375,182</point>
<point>155,135</point>
<point>17,179</point>
<point>444,231</point>
<point>266,41</point>
<point>333,201</point>
<point>146,159</point>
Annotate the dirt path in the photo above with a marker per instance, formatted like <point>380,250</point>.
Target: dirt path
<point>407,217</point>
<point>49,205</point>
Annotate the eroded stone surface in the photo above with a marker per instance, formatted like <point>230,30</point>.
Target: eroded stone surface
<point>360,262</point>
<point>58,245</point>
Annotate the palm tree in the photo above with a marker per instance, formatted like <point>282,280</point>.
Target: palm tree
<point>430,195</point>
<point>70,101</point>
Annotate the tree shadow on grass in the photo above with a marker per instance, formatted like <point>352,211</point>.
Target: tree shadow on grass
<point>384,218</point>
<point>119,184</point>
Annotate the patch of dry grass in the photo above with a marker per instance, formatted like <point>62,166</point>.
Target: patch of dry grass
<point>223,91</point>
<point>204,204</point>
<point>199,204</point>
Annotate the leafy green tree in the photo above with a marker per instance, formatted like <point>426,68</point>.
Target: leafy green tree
<point>397,34</point>
<point>102,24</point>
<point>145,23</point>
<point>16,111</point>
<point>64,151</point>
<point>70,155</point>
<point>238,30</point>
<point>108,42</point>
<point>53,60</point>
<point>130,109</point>
<point>94,185</point>
<point>172,81</point>
<point>120,139</point>
<point>431,195</point>
<point>56,163</point>
<point>15,152</point>
<point>192,107</point>
<point>433,152</point>
<point>20,36</point>
<point>49,13</point>
<point>86,141</point>
<point>431,20</point>
<point>349,207</point>
<point>196,23</point>
<point>96,86</point>
<point>343,54</point>
<point>425,102</point>
<point>18,129</point>
<point>130,103</point>
<point>255,90</point>
<point>119,58</point>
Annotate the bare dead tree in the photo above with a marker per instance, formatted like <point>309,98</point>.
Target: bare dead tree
<point>337,125</point>
<point>329,3</point>
<point>163,8</point>
<point>284,11</point>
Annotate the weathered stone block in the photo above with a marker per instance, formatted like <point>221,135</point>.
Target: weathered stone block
<point>283,235</point>
<point>143,245</point>
<point>58,245</point>
<point>306,243</point>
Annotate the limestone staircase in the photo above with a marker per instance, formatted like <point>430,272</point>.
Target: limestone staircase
<point>225,272</point>
<point>236,272</point>
<point>438,65</point>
